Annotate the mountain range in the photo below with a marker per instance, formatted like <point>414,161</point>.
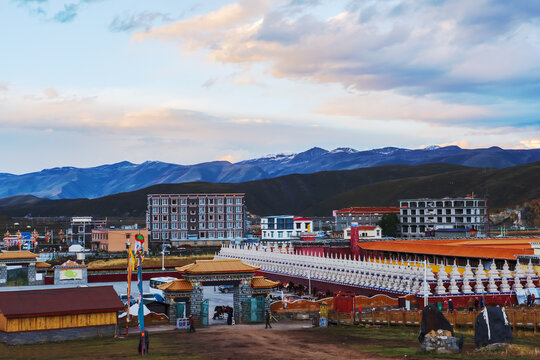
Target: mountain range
<point>95,182</point>
<point>315,194</point>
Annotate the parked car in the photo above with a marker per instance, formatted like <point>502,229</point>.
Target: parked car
<point>226,288</point>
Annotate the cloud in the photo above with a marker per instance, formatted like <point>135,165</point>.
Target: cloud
<point>531,143</point>
<point>50,93</point>
<point>485,48</point>
<point>4,86</point>
<point>68,14</point>
<point>143,20</point>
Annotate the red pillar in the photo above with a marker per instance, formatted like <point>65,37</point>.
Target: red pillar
<point>354,240</point>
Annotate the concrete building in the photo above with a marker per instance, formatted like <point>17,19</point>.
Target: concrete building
<point>420,215</point>
<point>114,240</point>
<point>365,232</point>
<point>195,218</point>
<point>81,229</point>
<point>368,216</point>
<point>284,227</point>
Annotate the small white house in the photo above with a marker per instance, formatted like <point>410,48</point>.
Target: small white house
<point>364,233</point>
<point>284,227</point>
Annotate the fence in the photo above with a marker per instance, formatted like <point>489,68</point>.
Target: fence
<point>518,318</point>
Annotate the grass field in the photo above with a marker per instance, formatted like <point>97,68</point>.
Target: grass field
<point>148,262</point>
<point>287,340</point>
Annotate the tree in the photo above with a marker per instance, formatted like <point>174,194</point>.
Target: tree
<point>389,224</point>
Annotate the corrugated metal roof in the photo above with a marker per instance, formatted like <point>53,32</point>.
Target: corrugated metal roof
<point>217,266</point>
<point>177,285</point>
<point>368,210</point>
<point>453,248</point>
<point>78,300</point>
<point>13,255</point>
<point>42,264</point>
<point>259,282</point>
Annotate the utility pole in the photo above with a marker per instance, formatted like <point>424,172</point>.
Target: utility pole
<point>129,266</point>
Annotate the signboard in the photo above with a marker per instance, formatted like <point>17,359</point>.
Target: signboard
<point>71,274</point>
<point>182,323</point>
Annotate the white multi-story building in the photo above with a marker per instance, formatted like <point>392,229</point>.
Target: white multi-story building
<point>284,227</point>
<point>183,218</point>
<point>420,215</point>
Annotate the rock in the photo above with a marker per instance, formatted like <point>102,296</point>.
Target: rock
<point>434,322</point>
<point>498,331</point>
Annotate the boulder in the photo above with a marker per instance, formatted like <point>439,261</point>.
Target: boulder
<point>433,320</point>
<point>492,327</point>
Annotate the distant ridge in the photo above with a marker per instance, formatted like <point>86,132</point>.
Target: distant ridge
<point>316,194</point>
<point>95,182</point>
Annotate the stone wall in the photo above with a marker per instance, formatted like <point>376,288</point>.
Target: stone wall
<point>241,293</point>
<point>195,304</point>
<point>32,274</point>
<point>3,275</point>
<point>32,337</point>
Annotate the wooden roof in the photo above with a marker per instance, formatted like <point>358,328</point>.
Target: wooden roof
<point>63,301</point>
<point>14,255</point>
<point>503,249</point>
<point>259,282</point>
<point>177,285</point>
<point>42,264</point>
<point>217,266</point>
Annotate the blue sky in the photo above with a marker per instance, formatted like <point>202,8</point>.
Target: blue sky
<point>88,82</point>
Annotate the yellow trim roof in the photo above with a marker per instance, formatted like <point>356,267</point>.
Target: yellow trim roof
<point>217,266</point>
<point>23,254</point>
<point>177,285</point>
<point>259,282</point>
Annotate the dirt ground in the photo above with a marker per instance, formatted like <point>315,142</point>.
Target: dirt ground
<point>286,340</point>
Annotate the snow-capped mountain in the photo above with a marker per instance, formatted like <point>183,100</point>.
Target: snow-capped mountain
<point>71,182</point>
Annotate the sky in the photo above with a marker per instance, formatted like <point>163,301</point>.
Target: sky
<point>91,82</point>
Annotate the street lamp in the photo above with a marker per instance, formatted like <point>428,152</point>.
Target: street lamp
<point>163,247</point>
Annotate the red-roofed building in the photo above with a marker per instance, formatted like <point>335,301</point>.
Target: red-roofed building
<point>361,215</point>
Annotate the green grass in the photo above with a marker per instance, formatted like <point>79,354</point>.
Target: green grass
<point>402,341</point>
<point>161,347</point>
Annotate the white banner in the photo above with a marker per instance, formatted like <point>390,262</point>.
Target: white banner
<point>71,274</point>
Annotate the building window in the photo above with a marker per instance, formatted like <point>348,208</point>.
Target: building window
<point>229,208</point>
<point>201,209</point>
<point>174,217</point>
<point>155,236</point>
<point>238,201</point>
<point>229,225</point>
<point>155,210</point>
<point>174,226</point>
<point>155,202</point>
<point>229,201</point>
<point>220,201</point>
<point>164,210</point>
<point>165,236</point>
<point>164,226</point>
<point>238,209</point>
<point>164,202</point>
<point>238,225</point>
<point>155,226</point>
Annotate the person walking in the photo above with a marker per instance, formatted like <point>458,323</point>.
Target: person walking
<point>267,318</point>
<point>191,324</point>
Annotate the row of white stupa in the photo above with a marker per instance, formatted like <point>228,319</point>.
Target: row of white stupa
<point>406,277</point>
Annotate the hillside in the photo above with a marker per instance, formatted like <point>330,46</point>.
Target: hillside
<point>95,182</point>
<point>319,193</point>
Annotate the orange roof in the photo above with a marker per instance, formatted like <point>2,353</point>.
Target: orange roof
<point>259,282</point>
<point>217,266</point>
<point>42,264</point>
<point>177,285</point>
<point>368,210</point>
<point>71,263</point>
<point>484,248</point>
<point>13,255</point>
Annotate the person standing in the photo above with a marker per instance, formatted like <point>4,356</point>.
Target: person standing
<point>267,318</point>
<point>191,324</point>
<point>450,306</point>
<point>476,302</point>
